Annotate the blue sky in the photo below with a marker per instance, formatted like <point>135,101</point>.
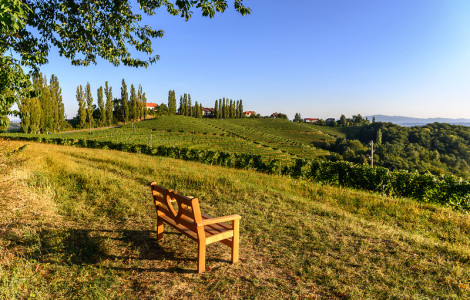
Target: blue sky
<point>321,58</point>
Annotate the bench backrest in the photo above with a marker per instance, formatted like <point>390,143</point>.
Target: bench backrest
<point>188,213</point>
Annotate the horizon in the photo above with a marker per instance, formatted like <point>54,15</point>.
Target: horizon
<point>321,60</point>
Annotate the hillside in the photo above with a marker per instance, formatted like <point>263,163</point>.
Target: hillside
<point>270,138</point>
<point>79,223</point>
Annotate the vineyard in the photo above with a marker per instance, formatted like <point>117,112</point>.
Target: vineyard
<point>268,146</point>
<point>271,139</point>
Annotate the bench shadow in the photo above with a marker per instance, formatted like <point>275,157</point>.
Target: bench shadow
<point>90,246</point>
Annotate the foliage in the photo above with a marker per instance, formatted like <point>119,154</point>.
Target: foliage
<point>82,31</point>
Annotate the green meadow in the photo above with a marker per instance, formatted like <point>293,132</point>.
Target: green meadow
<point>80,223</point>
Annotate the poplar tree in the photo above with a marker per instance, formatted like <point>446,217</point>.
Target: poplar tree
<point>57,92</point>
<point>200,110</point>
<point>221,109</point>
<point>232,109</point>
<point>36,114</point>
<point>89,101</point>
<point>181,109</point>
<point>172,102</point>
<point>24,105</point>
<point>132,104</point>
<point>240,109</point>
<point>81,106</point>
<point>144,101</point>
<point>216,109</point>
<point>185,104</point>
<point>108,91</point>
<point>124,101</point>
<point>102,106</point>
<point>190,107</point>
<point>140,103</point>
<point>53,104</point>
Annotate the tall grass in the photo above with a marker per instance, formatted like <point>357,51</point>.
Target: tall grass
<point>93,236</point>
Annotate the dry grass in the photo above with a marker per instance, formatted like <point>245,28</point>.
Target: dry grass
<point>84,227</point>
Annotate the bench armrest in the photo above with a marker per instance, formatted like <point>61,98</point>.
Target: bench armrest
<point>220,220</point>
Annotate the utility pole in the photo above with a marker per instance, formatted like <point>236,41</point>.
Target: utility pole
<point>372,153</point>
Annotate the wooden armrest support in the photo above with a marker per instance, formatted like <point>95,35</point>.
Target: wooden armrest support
<point>219,220</point>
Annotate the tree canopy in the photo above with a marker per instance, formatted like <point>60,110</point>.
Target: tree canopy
<point>82,31</point>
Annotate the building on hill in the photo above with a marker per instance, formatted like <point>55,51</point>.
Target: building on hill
<point>208,112</point>
<point>275,115</point>
<point>311,120</point>
<point>249,113</point>
<point>152,106</point>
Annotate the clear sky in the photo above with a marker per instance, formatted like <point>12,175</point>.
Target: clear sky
<point>321,58</point>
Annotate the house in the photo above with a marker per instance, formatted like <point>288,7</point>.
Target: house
<point>249,113</point>
<point>275,115</point>
<point>311,120</point>
<point>152,106</point>
<point>208,112</point>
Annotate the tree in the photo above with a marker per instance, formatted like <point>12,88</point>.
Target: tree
<point>81,106</point>
<point>89,102</point>
<point>240,112</point>
<point>56,91</point>
<point>144,103</point>
<point>124,102</point>
<point>5,122</point>
<point>101,106</point>
<point>133,104</point>
<point>162,110</point>
<point>108,91</point>
<point>36,113</point>
<point>343,121</point>
<point>378,138</point>
<point>172,102</point>
<point>82,31</point>
<point>216,109</point>
<point>190,107</point>
<point>297,118</point>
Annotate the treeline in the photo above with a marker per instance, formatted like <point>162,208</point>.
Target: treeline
<point>446,190</point>
<point>228,109</point>
<point>109,110</point>
<point>437,148</point>
<point>43,110</point>
<point>223,108</point>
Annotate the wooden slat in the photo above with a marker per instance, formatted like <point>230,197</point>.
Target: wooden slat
<point>223,225</point>
<point>182,220</point>
<point>220,219</point>
<point>218,237</point>
<point>190,233</point>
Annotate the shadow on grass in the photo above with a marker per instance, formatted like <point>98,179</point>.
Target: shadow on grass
<point>88,247</point>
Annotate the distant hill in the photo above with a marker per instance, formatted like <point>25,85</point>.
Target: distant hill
<point>409,121</point>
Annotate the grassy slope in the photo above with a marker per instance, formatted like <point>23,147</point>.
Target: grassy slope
<point>78,223</point>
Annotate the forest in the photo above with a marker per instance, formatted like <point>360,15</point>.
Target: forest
<point>437,148</point>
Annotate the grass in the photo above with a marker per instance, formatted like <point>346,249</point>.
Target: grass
<point>79,223</point>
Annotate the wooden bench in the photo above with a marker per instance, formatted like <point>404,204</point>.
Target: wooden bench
<point>198,226</point>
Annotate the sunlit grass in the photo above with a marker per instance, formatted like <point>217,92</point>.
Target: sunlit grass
<point>78,223</point>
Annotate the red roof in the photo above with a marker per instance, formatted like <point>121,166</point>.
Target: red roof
<point>152,105</point>
<point>311,119</point>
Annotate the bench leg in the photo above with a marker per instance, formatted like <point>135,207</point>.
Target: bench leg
<point>159,228</point>
<point>235,240</point>
<point>201,257</point>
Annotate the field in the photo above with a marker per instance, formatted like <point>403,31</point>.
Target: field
<point>79,223</point>
<point>270,138</point>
